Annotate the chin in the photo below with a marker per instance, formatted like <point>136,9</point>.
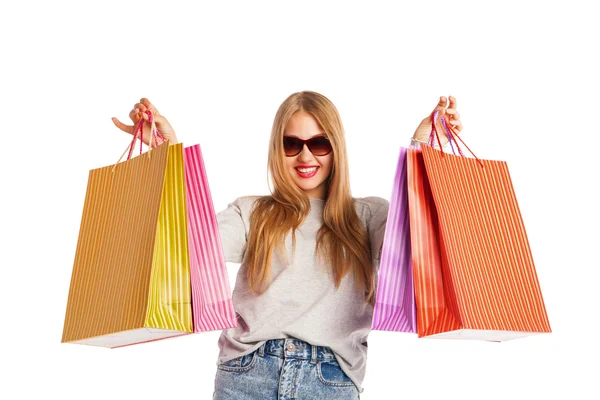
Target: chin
<point>306,189</point>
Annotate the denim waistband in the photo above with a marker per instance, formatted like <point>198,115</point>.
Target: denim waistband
<point>294,348</point>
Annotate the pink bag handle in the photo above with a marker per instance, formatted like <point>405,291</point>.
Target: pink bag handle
<point>139,131</point>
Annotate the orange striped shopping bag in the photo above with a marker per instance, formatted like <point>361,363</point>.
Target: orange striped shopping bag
<point>474,274</point>
<point>131,281</point>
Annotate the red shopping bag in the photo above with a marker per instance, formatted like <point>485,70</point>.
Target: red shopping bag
<point>473,269</point>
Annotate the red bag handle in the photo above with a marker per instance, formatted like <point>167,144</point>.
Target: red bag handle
<point>452,136</point>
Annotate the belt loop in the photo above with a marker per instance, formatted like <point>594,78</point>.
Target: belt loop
<point>261,349</point>
<point>313,358</point>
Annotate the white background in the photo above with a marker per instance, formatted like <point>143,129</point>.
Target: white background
<point>526,78</point>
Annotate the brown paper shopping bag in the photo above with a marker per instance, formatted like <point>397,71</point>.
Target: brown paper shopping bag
<point>131,281</point>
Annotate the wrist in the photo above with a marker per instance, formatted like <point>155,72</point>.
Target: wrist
<point>173,139</point>
<point>414,142</point>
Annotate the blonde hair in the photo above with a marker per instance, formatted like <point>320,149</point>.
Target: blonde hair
<point>342,241</point>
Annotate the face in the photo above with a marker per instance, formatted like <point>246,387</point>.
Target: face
<point>308,171</point>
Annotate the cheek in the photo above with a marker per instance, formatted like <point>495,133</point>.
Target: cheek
<point>289,162</point>
<point>327,164</point>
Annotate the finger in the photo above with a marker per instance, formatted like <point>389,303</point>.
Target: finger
<point>452,102</point>
<point>135,115</point>
<point>452,113</point>
<point>441,104</point>
<point>144,108</point>
<point>141,108</point>
<point>125,128</point>
<point>139,113</point>
<point>457,126</point>
<point>149,105</point>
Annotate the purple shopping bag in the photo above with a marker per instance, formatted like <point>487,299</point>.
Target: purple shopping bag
<point>395,301</point>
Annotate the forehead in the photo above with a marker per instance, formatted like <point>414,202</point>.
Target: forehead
<point>303,125</point>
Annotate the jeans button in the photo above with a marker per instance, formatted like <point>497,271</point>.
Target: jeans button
<point>291,347</point>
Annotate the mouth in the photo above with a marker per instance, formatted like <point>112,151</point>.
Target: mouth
<point>307,172</point>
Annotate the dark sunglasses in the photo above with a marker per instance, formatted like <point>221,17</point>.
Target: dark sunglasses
<point>318,145</point>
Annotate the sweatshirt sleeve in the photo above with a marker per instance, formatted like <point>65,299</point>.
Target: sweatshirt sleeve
<point>232,229</point>
<point>416,143</point>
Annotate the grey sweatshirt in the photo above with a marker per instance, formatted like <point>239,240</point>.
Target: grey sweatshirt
<point>302,301</point>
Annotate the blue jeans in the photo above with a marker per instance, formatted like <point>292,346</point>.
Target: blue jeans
<point>283,369</point>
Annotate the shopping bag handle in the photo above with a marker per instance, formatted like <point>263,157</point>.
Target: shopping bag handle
<point>155,134</point>
<point>450,133</point>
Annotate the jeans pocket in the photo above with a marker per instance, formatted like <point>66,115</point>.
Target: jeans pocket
<point>330,373</point>
<point>240,364</point>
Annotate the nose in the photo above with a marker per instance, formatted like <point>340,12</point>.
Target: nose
<point>305,154</point>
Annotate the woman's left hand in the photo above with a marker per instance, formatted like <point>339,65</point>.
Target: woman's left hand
<point>450,114</point>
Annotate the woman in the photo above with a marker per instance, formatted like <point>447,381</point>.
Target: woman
<point>309,257</point>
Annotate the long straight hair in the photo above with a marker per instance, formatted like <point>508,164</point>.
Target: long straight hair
<point>342,241</point>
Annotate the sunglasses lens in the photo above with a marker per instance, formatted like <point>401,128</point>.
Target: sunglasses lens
<point>292,145</point>
<point>319,146</point>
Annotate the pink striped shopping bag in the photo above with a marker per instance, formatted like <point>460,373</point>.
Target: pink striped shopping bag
<point>212,306</point>
<point>395,301</point>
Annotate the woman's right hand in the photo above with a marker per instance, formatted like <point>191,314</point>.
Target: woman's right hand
<point>138,112</point>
